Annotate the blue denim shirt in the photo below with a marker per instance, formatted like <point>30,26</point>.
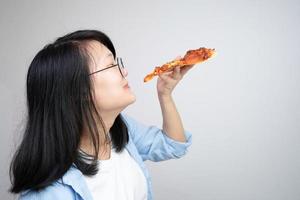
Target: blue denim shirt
<point>145,143</point>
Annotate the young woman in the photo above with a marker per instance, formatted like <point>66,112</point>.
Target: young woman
<point>77,144</point>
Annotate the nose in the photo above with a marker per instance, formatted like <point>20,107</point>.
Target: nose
<point>125,72</point>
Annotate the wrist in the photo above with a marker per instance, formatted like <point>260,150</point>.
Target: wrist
<point>164,97</point>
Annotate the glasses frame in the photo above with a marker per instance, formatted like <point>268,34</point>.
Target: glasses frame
<point>119,64</point>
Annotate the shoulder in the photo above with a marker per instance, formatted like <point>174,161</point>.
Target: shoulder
<point>55,191</point>
<point>131,124</point>
<point>134,125</point>
<point>129,121</point>
<point>71,186</point>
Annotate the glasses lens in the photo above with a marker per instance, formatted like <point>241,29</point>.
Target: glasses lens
<point>120,65</point>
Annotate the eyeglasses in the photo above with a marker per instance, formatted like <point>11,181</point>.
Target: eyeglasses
<point>119,64</point>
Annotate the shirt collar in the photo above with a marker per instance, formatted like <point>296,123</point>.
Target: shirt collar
<point>74,178</point>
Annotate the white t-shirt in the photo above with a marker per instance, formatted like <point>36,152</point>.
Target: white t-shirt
<point>118,178</point>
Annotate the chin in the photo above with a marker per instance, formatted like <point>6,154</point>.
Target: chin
<point>132,100</point>
<point>128,104</point>
<point>129,100</point>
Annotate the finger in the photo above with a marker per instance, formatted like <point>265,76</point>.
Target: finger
<point>165,77</point>
<point>185,69</point>
<point>167,74</point>
<point>176,73</point>
<point>177,58</point>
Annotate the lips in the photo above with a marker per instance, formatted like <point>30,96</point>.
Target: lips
<point>126,86</point>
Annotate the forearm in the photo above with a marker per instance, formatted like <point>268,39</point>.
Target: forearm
<point>172,124</point>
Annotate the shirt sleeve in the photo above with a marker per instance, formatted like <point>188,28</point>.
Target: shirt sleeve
<point>153,144</point>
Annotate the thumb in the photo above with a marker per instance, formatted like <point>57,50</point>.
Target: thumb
<point>177,58</point>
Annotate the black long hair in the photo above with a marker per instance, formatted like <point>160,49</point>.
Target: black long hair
<point>59,105</point>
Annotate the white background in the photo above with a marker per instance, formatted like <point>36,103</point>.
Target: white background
<point>242,106</point>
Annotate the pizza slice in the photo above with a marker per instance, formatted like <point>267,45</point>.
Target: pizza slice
<point>191,57</point>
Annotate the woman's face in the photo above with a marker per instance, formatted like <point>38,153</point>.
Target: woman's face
<point>112,92</point>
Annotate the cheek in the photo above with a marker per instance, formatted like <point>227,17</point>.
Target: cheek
<point>108,93</point>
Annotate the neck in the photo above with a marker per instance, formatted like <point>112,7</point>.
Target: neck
<point>108,119</point>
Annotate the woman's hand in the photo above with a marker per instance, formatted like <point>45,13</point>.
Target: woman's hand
<point>167,81</point>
